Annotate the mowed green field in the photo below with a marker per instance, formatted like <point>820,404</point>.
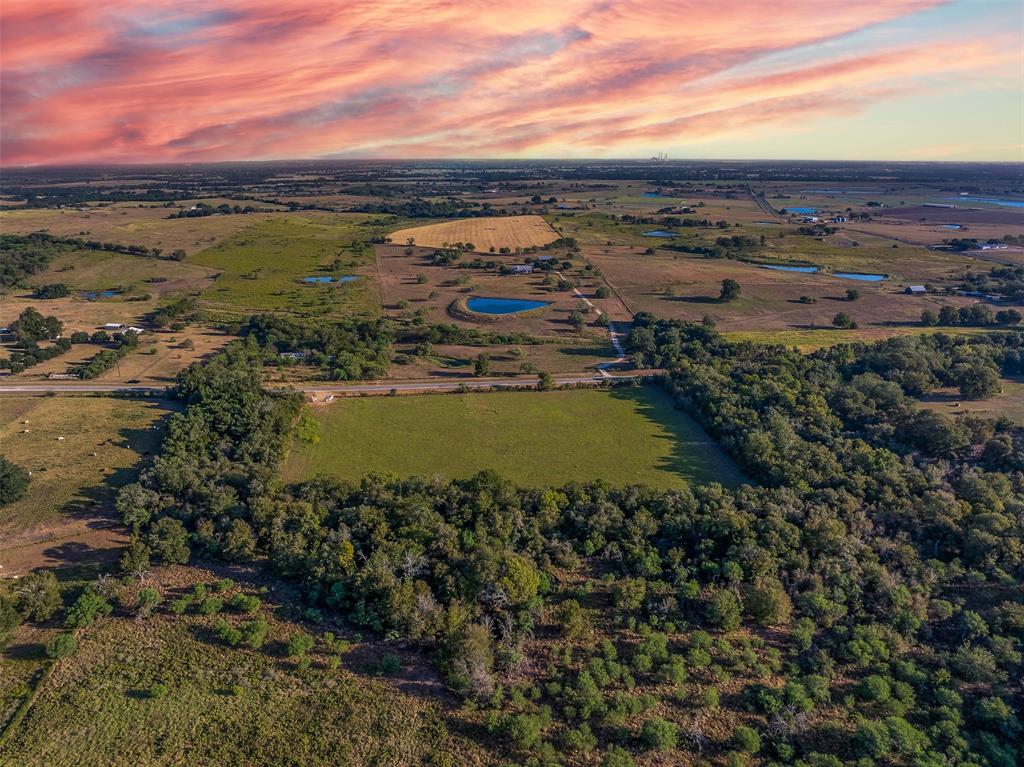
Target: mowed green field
<point>262,267</point>
<point>623,436</point>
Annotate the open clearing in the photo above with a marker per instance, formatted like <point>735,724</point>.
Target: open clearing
<point>623,436</point>
<point>1007,404</point>
<point>65,513</point>
<point>484,233</point>
<point>262,267</point>
<point>128,224</point>
<point>223,706</point>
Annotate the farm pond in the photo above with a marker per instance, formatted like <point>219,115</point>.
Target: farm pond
<point>815,270</point>
<point>502,305</point>
<point>329,280</point>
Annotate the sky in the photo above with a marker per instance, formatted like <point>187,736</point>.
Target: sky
<point>123,81</point>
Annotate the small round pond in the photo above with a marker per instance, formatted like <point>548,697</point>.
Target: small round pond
<point>502,305</point>
<point>659,233</point>
<point>95,295</point>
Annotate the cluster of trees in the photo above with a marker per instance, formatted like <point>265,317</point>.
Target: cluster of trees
<point>673,222</point>
<point>105,359</point>
<point>1005,281</point>
<point>14,481</point>
<point>967,243</point>
<point>201,209</point>
<point>419,208</point>
<point>733,246</point>
<point>29,329</point>
<point>817,230</point>
<point>346,350</point>
<point>975,315</point>
<point>176,314</point>
<point>882,545</point>
<point>23,256</point>
<point>52,290</point>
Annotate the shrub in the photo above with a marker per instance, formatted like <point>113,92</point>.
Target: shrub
<point>874,688</point>
<point>147,600</point>
<point>617,757</point>
<point>254,633</point>
<point>572,620</point>
<point>300,644</point>
<point>245,604</point>
<point>746,739</point>
<point>226,632</point>
<point>659,734</point>
<point>210,606</point>
<point>38,596</point>
<point>523,731</point>
<point>61,646</point>
<point>389,664</point>
<point>85,609</point>
<point>724,610</point>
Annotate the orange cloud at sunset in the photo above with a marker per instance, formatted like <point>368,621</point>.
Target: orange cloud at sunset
<point>124,81</point>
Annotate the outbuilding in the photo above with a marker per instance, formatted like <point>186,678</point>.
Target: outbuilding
<point>916,290</point>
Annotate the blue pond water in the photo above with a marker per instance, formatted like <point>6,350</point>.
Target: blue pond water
<point>659,233</point>
<point>814,269</point>
<point>503,305</point>
<point>951,226</point>
<point>991,201</point>
<point>861,277</point>
<point>801,210</point>
<point>329,280</point>
<point>801,269</point>
<point>93,295</point>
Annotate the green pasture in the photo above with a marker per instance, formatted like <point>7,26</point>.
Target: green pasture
<point>623,436</point>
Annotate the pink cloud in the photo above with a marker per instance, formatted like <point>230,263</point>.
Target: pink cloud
<point>165,81</point>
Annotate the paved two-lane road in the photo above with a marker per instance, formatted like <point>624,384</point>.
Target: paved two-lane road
<point>340,388</point>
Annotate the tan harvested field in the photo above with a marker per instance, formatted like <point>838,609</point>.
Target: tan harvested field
<point>484,233</point>
<point>127,224</point>
<point>79,449</point>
